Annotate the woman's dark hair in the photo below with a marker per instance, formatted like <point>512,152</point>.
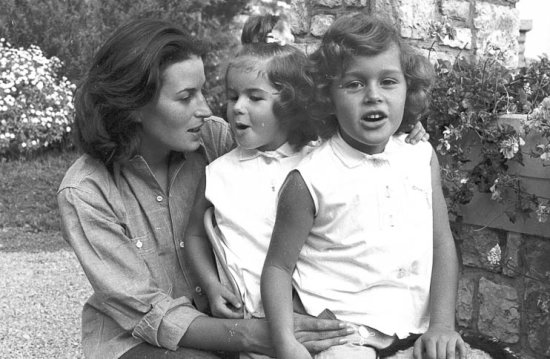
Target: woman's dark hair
<point>285,67</point>
<point>125,75</point>
<point>362,35</point>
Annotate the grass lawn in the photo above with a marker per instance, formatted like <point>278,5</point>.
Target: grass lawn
<point>42,285</point>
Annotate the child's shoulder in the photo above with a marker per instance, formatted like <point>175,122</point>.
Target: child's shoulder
<point>420,151</point>
<point>228,159</point>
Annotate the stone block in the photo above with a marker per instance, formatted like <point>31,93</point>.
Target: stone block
<point>537,253</point>
<point>510,259</point>
<point>415,17</point>
<point>462,40</point>
<point>298,17</point>
<point>320,24</point>
<point>465,301</point>
<point>498,26</point>
<point>356,3</point>
<point>480,248</point>
<point>537,313</point>
<point>328,3</point>
<point>456,9</point>
<point>499,315</point>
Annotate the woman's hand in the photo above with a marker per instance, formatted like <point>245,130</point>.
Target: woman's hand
<point>418,133</point>
<point>223,303</point>
<point>294,350</point>
<point>317,334</point>
<point>439,342</point>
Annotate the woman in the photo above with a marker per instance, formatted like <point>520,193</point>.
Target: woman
<point>147,134</point>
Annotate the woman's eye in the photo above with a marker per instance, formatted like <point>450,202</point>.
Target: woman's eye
<point>255,98</point>
<point>231,98</point>
<point>353,86</point>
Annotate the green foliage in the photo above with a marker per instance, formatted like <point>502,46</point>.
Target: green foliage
<point>35,103</point>
<point>467,101</point>
<point>73,30</point>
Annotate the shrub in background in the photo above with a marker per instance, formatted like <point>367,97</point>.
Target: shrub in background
<point>35,102</point>
<point>73,30</point>
<point>467,101</point>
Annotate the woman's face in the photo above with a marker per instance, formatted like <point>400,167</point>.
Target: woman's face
<point>172,122</point>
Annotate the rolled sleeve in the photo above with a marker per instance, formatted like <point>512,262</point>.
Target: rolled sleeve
<point>128,288</point>
<point>167,322</point>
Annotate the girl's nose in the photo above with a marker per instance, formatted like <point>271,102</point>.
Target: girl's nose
<point>372,93</point>
<point>238,107</point>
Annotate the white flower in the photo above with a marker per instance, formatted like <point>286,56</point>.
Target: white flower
<point>494,255</point>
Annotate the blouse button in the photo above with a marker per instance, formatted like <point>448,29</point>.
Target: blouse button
<point>198,289</point>
<point>182,244</point>
<point>159,198</point>
<point>139,244</point>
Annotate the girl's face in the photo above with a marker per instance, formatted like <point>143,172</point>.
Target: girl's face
<point>250,99</point>
<point>369,100</point>
<point>172,121</point>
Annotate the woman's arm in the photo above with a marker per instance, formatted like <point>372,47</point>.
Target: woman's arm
<point>441,340</point>
<point>295,213</point>
<point>198,253</point>
<point>253,335</point>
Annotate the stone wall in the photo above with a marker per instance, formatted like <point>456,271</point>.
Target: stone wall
<point>479,24</point>
<point>504,289</point>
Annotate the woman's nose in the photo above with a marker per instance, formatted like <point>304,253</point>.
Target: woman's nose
<point>203,109</point>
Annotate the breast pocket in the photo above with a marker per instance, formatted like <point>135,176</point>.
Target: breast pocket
<point>150,254</point>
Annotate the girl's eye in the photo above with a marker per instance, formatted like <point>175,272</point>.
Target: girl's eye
<point>389,82</point>
<point>353,86</point>
<point>255,98</point>
<point>232,98</point>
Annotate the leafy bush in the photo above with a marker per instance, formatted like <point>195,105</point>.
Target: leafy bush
<point>35,103</point>
<point>467,101</point>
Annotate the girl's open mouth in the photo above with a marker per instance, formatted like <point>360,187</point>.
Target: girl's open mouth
<point>373,116</point>
<point>241,126</point>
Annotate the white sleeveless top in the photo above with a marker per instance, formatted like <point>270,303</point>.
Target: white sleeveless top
<point>368,257</point>
<point>243,186</point>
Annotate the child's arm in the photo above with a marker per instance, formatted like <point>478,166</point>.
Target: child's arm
<point>294,220</point>
<point>441,340</point>
<point>198,253</point>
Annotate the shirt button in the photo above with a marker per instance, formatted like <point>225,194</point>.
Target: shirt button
<point>139,244</point>
<point>182,244</point>
<point>159,198</point>
<point>198,289</point>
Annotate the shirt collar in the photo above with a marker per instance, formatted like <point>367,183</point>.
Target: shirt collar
<point>286,150</point>
<point>351,157</point>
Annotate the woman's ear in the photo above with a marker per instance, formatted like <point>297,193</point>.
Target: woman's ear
<point>137,116</point>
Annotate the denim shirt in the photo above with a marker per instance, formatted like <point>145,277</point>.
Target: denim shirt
<point>128,235</point>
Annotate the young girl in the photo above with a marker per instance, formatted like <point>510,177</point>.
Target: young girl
<point>362,225</point>
<point>267,90</point>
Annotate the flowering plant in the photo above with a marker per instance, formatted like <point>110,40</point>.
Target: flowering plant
<point>478,147</point>
<point>35,103</point>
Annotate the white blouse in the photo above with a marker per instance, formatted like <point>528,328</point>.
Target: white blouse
<point>368,257</point>
<point>243,186</point>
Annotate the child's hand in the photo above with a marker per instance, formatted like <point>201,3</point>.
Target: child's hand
<point>223,303</point>
<point>439,342</point>
<point>294,350</point>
